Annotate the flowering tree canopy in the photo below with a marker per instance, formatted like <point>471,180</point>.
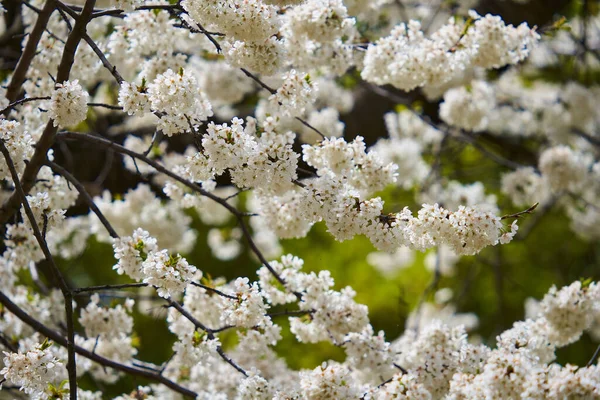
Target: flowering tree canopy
<point>163,159</point>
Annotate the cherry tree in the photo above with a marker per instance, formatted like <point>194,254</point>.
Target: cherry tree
<point>230,113</point>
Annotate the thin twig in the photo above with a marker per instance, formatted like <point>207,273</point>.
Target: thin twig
<point>209,333</point>
<point>22,101</point>
<point>594,357</point>
<point>86,196</point>
<point>213,290</point>
<point>521,213</point>
<point>110,107</point>
<point>108,287</point>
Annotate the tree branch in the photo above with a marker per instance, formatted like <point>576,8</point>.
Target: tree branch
<point>20,72</point>
<point>59,339</point>
<point>86,196</point>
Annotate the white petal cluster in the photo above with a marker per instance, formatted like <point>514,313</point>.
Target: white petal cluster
<point>525,187</point>
<point>132,251</point>
<point>318,20</point>
<point>33,370</point>
<point>408,59</point>
<point>262,159</point>
<point>46,217</point>
<point>295,93</point>
<point>177,97</point>
<point>225,147</point>
<point>247,20</point>
<point>563,167</point>
<point>569,311</point>
<point>465,231</point>
<point>169,274</point>
<point>264,57</point>
<point>19,144</point>
<point>500,44</point>
<point>139,257</point>
<point>467,107</point>
<point>248,309</point>
<point>134,99</point>
<point>328,381</point>
<point>369,353</point>
<point>68,104</point>
<point>255,387</point>
<point>250,27</point>
<point>106,323</point>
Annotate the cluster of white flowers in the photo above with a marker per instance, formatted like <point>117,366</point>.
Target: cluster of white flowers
<point>563,168</point>
<point>139,257</point>
<point>467,107</point>
<point>134,99</point>
<point>33,370</point>
<point>248,309</point>
<point>68,104</point>
<point>177,98</point>
<point>169,274</point>
<point>106,323</point>
<point>19,144</point>
<point>408,59</point>
<point>294,94</point>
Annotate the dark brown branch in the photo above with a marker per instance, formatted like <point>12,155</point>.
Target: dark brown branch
<point>111,68</point>
<point>20,72</point>
<point>109,106</point>
<point>109,287</point>
<point>209,333</point>
<point>211,289</point>
<point>591,139</point>
<point>59,339</point>
<point>292,313</point>
<point>66,291</point>
<point>11,205</point>
<point>86,196</point>
<point>594,357</point>
<point>7,343</point>
<point>22,101</point>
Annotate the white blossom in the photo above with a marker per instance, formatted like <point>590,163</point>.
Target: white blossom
<point>68,105</point>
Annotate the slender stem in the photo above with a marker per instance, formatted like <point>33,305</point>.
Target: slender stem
<point>111,68</point>
<point>594,357</point>
<point>22,101</point>
<point>108,287</point>
<point>209,333</point>
<point>210,289</point>
<point>86,196</point>
<point>109,106</point>
<point>521,213</point>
